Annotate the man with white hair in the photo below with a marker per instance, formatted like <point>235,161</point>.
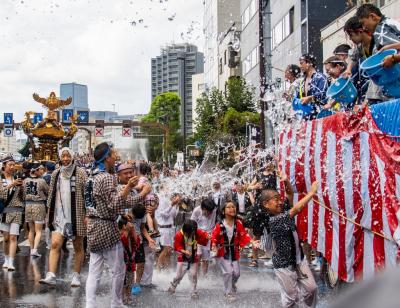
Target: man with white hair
<point>66,204</point>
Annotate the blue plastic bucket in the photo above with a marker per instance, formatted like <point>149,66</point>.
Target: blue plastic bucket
<point>324,113</point>
<point>300,108</point>
<point>342,91</point>
<point>392,89</point>
<point>373,69</point>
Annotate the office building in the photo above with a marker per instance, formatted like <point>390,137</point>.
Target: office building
<point>229,64</point>
<point>79,94</point>
<point>219,15</point>
<point>172,71</point>
<point>198,87</point>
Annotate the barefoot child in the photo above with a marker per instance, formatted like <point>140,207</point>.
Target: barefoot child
<point>290,275</point>
<point>186,241</point>
<point>228,238</point>
<point>130,241</point>
<point>144,170</point>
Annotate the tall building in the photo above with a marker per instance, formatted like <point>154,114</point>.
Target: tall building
<point>172,71</point>
<point>9,145</point>
<point>198,87</point>
<point>229,64</point>
<point>291,28</point>
<point>79,94</point>
<point>219,15</point>
<point>250,42</point>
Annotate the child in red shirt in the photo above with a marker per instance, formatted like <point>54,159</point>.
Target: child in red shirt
<point>228,238</point>
<point>185,243</point>
<point>130,242</point>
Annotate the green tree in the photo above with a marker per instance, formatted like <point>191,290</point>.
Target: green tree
<point>239,95</point>
<point>165,109</point>
<point>234,122</point>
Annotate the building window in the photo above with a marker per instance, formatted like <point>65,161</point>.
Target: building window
<point>250,61</point>
<point>225,57</point>
<point>220,66</point>
<point>283,28</point>
<point>249,12</point>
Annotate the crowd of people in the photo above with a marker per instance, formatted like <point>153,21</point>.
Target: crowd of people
<point>370,32</point>
<point>120,214</point>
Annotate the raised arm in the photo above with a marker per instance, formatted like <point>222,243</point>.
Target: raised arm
<point>299,205</point>
<point>289,192</point>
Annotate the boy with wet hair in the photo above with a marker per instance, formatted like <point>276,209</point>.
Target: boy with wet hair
<point>385,30</point>
<point>292,272</point>
<point>364,44</point>
<point>185,244</point>
<point>205,216</point>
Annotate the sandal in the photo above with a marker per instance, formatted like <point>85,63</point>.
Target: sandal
<point>253,263</point>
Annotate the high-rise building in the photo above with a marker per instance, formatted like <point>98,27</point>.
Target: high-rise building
<point>229,64</point>
<point>79,94</point>
<point>198,87</point>
<point>219,15</point>
<point>172,71</point>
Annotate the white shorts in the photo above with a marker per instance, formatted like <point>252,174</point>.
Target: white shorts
<point>204,252</point>
<point>11,228</point>
<point>38,222</point>
<point>167,236</point>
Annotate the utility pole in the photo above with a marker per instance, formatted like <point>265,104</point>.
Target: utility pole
<point>262,70</point>
<point>264,15</point>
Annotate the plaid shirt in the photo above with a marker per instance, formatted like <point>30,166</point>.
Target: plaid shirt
<point>14,211</point>
<point>102,228</point>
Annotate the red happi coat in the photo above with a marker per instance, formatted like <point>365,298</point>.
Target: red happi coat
<point>130,244</point>
<point>240,239</point>
<point>179,244</point>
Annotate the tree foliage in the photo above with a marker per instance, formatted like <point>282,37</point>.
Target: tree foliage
<point>239,95</point>
<point>165,109</point>
<point>226,113</point>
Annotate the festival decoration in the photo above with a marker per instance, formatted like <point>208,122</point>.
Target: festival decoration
<point>48,135</point>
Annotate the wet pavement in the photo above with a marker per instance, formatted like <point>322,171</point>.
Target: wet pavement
<point>256,287</point>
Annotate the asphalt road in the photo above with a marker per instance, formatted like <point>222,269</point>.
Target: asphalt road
<point>256,287</point>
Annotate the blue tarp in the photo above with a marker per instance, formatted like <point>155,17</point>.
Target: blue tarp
<point>387,116</point>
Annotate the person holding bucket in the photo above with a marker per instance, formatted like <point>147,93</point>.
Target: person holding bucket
<point>362,40</point>
<point>385,31</point>
<point>313,87</point>
<point>393,59</point>
<point>334,67</point>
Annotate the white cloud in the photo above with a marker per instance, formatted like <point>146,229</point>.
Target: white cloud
<point>45,43</point>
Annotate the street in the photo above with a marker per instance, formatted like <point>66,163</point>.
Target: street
<point>256,287</point>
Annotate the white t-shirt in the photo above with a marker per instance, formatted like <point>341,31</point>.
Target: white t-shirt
<point>166,213</point>
<point>229,230</point>
<point>241,198</point>
<point>216,197</point>
<point>63,202</point>
<point>204,223</point>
